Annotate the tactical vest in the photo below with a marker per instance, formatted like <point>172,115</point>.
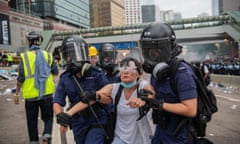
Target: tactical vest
<point>28,89</point>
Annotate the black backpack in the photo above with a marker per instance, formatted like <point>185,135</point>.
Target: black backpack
<point>207,102</point>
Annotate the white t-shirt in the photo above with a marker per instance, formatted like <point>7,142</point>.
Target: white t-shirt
<point>127,128</point>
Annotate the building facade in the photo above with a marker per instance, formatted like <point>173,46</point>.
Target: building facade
<point>133,13</point>
<point>219,7</point>
<point>107,13</point>
<point>229,5</point>
<point>74,13</point>
<point>150,13</point>
<point>19,17</point>
<point>215,7</point>
<point>15,26</point>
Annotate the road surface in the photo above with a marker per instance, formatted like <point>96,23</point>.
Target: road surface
<point>223,129</point>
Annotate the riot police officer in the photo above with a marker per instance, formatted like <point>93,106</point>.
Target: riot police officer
<point>107,59</point>
<point>159,47</point>
<point>81,76</point>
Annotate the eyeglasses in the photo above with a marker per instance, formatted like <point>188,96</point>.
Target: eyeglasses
<point>127,69</point>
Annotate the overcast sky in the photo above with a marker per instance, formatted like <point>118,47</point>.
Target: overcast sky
<point>188,8</point>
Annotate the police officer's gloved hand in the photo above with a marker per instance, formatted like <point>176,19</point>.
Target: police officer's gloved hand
<point>144,93</point>
<point>87,96</point>
<point>63,119</point>
<point>153,103</point>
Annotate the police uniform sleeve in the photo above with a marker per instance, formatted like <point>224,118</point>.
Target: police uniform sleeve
<point>185,83</point>
<point>60,93</point>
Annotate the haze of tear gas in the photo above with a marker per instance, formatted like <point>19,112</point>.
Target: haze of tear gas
<point>198,52</point>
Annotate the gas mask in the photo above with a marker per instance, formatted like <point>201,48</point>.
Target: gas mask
<point>161,71</point>
<point>107,60</point>
<point>148,66</point>
<point>80,66</point>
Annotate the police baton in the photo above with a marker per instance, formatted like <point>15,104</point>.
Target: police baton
<point>90,106</point>
<point>63,136</point>
<point>98,121</point>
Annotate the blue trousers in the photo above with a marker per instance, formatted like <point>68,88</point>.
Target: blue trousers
<point>32,110</point>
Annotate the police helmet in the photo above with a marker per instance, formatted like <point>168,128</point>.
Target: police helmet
<point>107,54</point>
<point>74,48</point>
<point>158,44</point>
<point>35,38</point>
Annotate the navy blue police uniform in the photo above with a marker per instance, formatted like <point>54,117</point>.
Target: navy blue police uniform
<point>186,89</point>
<point>85,127</point>
<point>113,78</point>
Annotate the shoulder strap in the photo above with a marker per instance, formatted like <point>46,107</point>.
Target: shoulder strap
<point>117,98</point>
<point>173,69</point>
<point>74,78</point>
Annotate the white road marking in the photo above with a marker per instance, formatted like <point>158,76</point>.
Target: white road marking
<point>228,98</point>
<point>210,134</point>
<point>233,106</point>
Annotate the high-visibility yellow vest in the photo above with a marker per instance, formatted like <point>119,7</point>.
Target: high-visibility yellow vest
<point>9,58</point>
<point>28,89</point>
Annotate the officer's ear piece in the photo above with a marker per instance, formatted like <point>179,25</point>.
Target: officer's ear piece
<point>161,71</point>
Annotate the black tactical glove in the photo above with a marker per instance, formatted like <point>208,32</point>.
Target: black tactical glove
<point>63,119</point>
<point>150,102</point>
<point>143,110</point>
<point>87,96</point>
<point>144,93</point>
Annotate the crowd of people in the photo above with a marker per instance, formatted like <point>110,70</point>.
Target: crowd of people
<point>99,86</point>
<point>6,58</point>
<point>224,65</point>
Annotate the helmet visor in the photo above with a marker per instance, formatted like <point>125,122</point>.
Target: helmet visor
<point>108,57</point>
<point>156,50</point>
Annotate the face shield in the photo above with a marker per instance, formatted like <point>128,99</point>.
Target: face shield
<point>108,57</point>
<point>74,48</point>
<point>156,50</point>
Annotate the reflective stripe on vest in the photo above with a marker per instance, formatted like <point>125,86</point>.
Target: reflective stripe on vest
<point>28,89</point>
<point>30,75</point>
